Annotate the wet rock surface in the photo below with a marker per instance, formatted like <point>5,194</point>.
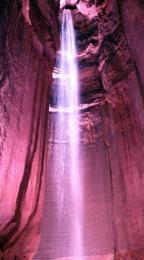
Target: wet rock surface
<point>28,44</point>
<point>109,41</point>
<point>109,36</point>
<point>121,72</point>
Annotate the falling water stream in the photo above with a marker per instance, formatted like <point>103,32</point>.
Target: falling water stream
<point>68,100</point>
<point>67,131</point>
<point>77,220</point>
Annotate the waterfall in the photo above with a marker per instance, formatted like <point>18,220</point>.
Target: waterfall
<point>62,224</point>
<point>67,131</point>
<point>77,216</point>
<point>68,122</point>
<point>68,88</point>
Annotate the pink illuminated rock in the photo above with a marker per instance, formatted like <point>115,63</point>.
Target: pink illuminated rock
<point>109,37</point>
<point>68,3</point>
<point>29,39</point>
<point>112,134</point>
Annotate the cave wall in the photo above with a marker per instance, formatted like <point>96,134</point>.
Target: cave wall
<point>115,44</point>
<point>110,51</point>
<point>28,42</point>
<point>127,133</point>
<point>123,79</point>
<point>124,140</point>
<point>110,59</point>
<point>133,21</point>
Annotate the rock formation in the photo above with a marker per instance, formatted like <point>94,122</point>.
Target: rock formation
<point>109,36</point>
<point>28,42</point>
<point>114,43</point>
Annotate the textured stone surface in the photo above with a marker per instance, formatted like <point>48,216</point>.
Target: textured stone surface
<point>96,219</point>
<point>28,42</point>
<point>131,255</point>
<point>110,40</point>
<point>110,54</point>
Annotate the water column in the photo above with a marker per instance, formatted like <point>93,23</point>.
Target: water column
<point>77,215</point>
<point>62,221</point>
<point>68,102</point>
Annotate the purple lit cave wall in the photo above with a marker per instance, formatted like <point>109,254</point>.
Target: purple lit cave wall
<point>109,38</point>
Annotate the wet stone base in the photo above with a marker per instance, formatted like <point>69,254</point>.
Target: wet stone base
<point>130,255</point>
<point>98,257</point>
<point>126,255</point>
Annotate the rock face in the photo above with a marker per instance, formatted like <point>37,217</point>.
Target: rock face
<point>28,42</point>
<point>109,37</point>
<point>114,42</point>
<point>112,129</point>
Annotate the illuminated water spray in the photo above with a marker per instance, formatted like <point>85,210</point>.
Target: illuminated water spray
<point>77,216</point>
<point>67,130</point>
<point>69,90</point>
